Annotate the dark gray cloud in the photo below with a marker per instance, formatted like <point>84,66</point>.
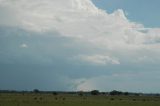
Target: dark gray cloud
<point>46,61</point>
<point>43,63</point>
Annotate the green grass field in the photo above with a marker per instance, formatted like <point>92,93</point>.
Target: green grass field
<point>75,100</point>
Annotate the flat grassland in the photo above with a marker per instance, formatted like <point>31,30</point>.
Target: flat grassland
<point>31,99</point>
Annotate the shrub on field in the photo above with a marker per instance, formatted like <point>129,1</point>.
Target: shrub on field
<point>40,98</point>
<point>35,98</point>
<point>134,99</point>
<point>143,100</point>
<point>120,99</point>
<point>56,98</point>
<point>84,98</point>
<point>63,98</point>
<point>112,99</point>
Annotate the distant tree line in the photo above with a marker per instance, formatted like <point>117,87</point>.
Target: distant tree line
<point>114,92</point>
<point>81,93</point>
<point>117,93</point>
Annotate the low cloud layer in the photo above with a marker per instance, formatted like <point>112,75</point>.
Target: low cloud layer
<point>74,40</point>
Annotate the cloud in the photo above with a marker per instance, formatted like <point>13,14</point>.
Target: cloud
<point>24,45</point>
<point>99,59</point>
<point>74,39</point>
<point>86,22</point>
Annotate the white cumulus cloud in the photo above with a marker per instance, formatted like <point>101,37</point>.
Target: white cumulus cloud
<point>99,59</point>
<point>81,20</point>
<point>24,45</point>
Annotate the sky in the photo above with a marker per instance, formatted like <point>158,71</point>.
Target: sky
<point>80,45</point>
<point>145,12</point>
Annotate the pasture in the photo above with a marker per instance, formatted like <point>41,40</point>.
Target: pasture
<point>48,99</point>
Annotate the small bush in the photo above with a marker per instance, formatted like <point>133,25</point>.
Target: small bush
<point>35,98</point>
<point>120,99</point>
<point>63,98</point>
<point>112,99</point>
<point>84,98</point>
<point>40,98</point>
<point>143,100</point>
<point>134,99</point>
<point>56,98</point>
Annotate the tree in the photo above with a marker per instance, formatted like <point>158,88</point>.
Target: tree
<point>36,91</point>
<point>126,93</point>
<point>80,93</point>
<point>55,93</point>
<point>95,92</point>
<point>114,92</point>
